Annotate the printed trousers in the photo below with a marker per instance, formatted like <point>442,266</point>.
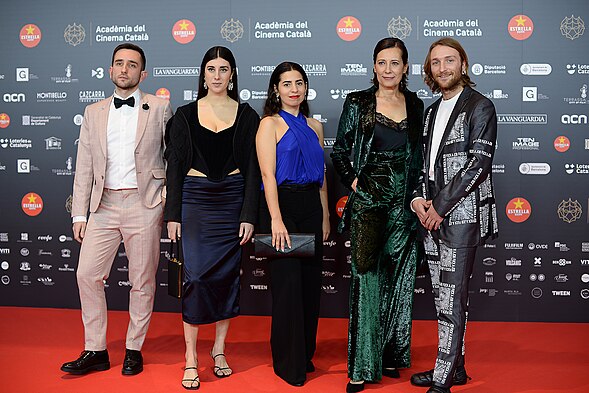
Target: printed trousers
<point>450,270</point>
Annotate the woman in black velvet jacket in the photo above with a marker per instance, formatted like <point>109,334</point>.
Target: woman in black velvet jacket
<point>213,188</point>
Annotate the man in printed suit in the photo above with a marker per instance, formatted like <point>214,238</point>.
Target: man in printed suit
<point>120,178</point>
<point>454,201</point>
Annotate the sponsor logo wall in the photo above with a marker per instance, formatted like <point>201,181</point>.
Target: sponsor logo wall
<point>529,58</point>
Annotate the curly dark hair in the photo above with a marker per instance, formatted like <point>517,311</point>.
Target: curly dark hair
<point>272,105</point>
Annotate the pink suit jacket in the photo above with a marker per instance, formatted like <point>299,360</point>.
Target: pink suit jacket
<point>149,146</point>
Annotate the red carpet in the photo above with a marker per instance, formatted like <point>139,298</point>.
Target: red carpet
<point>502,357</point>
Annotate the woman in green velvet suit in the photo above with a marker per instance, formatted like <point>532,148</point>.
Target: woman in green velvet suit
<point>381,127</point>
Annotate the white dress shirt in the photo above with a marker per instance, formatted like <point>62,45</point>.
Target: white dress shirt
<point>442,116</point>
<point>120,145</point>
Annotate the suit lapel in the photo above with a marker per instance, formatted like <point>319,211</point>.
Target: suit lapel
<point>430,132</point>
<point>370,118</point>
<point>141,119</point>
<point>413,123</point>
<point>462,100</point>
<point>103,125</point>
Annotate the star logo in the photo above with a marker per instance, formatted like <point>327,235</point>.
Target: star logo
<point>184,31</point>
<point>4,120</point>
<point>562,143</point>
<point>521,21</point>
<point>348,28</point>
<point>518,210</point>
<point>162,92</point>
<point>30,35</point>
<point>32,204</point>
<point>520,27</point>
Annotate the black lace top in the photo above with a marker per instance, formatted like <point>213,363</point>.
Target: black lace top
<point>388,134</point>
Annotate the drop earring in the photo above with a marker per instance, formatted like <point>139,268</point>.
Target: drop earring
<point>230,86</point>
<point>204,84</point>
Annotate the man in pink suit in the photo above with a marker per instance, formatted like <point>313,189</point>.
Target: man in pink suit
<point>120,178</point>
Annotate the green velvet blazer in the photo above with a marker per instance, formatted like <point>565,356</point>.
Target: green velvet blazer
<point>354,140</point>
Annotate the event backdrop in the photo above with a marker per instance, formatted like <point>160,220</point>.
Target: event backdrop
<point>530,58</point>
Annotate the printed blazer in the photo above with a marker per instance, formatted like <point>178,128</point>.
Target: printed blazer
<point>463,192</point>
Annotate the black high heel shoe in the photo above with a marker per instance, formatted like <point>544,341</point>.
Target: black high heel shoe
<point>354,387</point>
<point>391,373</point>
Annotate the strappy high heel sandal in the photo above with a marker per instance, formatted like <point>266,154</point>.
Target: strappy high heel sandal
<point>219,371</point>
<point>192,381</point>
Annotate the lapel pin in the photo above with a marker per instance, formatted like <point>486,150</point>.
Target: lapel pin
<point>145,106</point>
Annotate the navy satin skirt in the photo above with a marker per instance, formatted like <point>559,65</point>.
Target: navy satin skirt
<point>210,242</point>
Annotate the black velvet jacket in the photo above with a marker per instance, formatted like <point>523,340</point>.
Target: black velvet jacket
<point>356,130</point>
<point>463,192</point>
<point>179,152</point>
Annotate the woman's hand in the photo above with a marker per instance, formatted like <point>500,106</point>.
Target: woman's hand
<point>246,230</point>
<point>174,230</point>
<point>354,183</point>
<point>280,237</point>
<point>326,228</point>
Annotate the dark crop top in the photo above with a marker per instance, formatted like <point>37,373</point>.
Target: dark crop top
<point>214,151</point>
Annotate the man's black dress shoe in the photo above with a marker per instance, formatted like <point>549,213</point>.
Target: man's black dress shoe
<point>88,361</point>
<point>354,387</point>
<point>133,363</point>
<point>425,378</point>
<point>438,389</point>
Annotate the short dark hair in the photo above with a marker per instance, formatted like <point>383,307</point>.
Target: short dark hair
<point>214,53</point>
<point>428,77</point>
<point>128,45</point>
<point>273,105</point>
<point>386,43</point>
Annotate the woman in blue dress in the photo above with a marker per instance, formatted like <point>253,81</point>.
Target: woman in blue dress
<point>290,152</point>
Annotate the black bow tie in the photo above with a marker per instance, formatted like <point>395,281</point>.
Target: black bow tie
<point>129,101</point>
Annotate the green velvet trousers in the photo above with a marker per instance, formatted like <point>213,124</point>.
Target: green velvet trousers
<point>384,254</point>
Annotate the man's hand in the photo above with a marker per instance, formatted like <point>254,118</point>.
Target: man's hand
<point>432,219</point>
<point>420,207</point>
<point>79,229</point>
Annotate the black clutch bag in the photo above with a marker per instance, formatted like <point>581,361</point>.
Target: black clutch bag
<point>175,271</point>
<point>302,246</point>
